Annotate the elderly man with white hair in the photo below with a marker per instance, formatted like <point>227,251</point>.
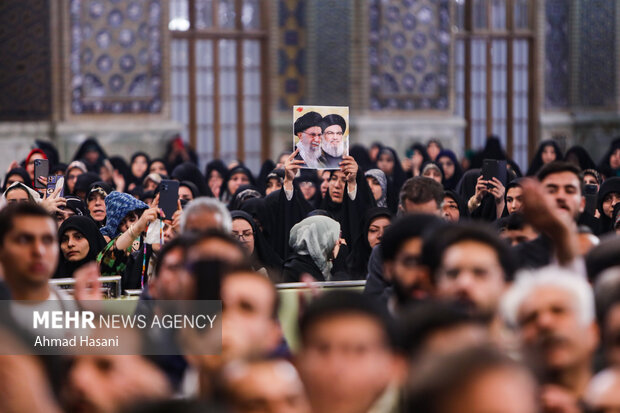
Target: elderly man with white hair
<point>553,312</point>
<point>205,213</point>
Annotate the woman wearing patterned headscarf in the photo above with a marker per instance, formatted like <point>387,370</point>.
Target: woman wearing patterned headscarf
<point>378,185</point>
<point>314,242</point>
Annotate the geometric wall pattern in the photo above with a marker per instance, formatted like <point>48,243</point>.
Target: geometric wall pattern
<point>291,53</point>
<point>557,54</point>
<point>409,54</point>
<point>25,56</point>
<point>116,56</point>
<point>329,58</point>
<point>597,53</point>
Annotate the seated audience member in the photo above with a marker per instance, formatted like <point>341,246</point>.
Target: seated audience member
<point>151,182</point>
<point>237,176</point>
<point>80,243</point>
<point>264,259</point>
<point>433,328</point>
<point>607,298</point>
<point>433,171</point>
<point>250,327</point>
<point>28,251</point>
<point>96,202</point>
<point>216,245</point>
<point>548,151</point>
<point>83,184</point>
<point>112,383</point>
<point>552,207</point>
<point>592,177</point>
<point>275,179</point>
<point>205,213</point>
<point>314,243</point>
<point>403,277</point>
<point>421,195</point>
<point>158,166</point>
<point>347,358</point>
<point>376,222</point>
<point>188,191</point>
<point>126,219</point>
<point>553,312</point>
<point>451,167</point>
<point>16,175</point>
<point>34,155</point>
<point>608,197</point>
<point>264,386</point>
<point>74,170</point>
<point>515,229</point>
<point>378,185</point>
<point>514,196</point>
<point>308,183</point>
<point>18,192</point>
<point>73,206</point>
<point>453,209</point>
<point>474,380</point>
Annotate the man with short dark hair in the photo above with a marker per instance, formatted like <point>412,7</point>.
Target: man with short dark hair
<point>421,195</point>
<point>28,251</point>
<point>470,265</point>
<point>406,276</point>
<point>472,381</point>
<point>552,207</point>
<point>347,359</point>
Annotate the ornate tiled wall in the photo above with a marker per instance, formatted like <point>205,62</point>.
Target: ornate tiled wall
<point>25,53</point>
<point>329,51</point>
<point>291,49</point>
<point>409,54</point>
<point>597,53</point>
<point>116,56</point>
<point>557,54</point>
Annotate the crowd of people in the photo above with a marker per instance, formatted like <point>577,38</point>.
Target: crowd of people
<point>481,295</point>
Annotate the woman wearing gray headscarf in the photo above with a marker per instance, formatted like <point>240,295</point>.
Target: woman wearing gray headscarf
<point>314,242</point>
<point>378,185</point>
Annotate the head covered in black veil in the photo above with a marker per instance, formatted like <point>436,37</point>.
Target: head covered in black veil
<point>21,172</point>
<point>266,168</point>
<point>450,183</point>
<point>579,156</point>
<point>263,254</point>
<point>119,164</point>
<point>395,180</point>
<point>537,161</point>
<point>239,169</point>
<point>357,261</point>
<point>87,227</point>
<point>604,166</point>
<point>90,145</point>
<point>259,211</point>
<point>244,193</point>
<point>309,175</point>
<point>76,205</point>
<point>360,154</point>
<point>463,211</point>
<point>83,183</point>
<point>187,171</point>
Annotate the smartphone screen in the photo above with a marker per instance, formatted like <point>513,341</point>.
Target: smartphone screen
<point>168,197</point>
<point>53,183</point>
<point>590,192</point>
<point>492,168</point>
<point>41,168</point>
